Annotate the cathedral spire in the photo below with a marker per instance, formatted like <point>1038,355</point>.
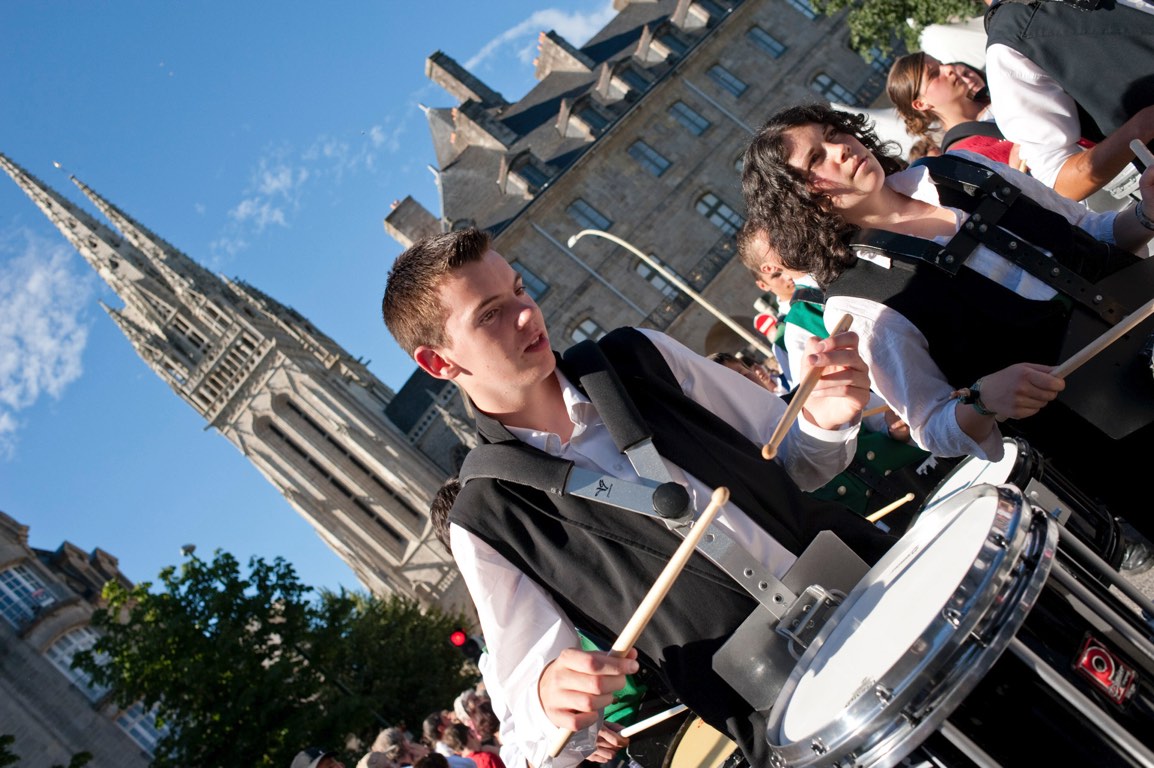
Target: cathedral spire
<point>315,422</point>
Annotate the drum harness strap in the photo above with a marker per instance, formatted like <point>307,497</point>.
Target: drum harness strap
<point>656,495</point>
<point>988,198</point>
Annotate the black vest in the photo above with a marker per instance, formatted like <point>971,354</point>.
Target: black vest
<point>974,327</point>
<point>598,562</point>
<point>1104,59</point>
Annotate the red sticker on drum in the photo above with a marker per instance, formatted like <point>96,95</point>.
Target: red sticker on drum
<point>1109,674</point>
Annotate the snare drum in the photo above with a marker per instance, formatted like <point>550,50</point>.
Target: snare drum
<point>910,660</point>
<point>916,634</point>
<point>1043,486</point>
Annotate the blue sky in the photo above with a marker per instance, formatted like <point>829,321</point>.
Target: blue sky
<point>266,140</point>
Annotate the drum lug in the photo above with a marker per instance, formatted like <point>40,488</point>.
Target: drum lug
<point>818,746</point>
<point>953,616</point>
<point>884,695</point>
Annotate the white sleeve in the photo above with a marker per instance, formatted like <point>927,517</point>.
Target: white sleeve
<point>1032,111</point>
<point>524,630</point>
<point>906,377</point>
<point>810,455</point>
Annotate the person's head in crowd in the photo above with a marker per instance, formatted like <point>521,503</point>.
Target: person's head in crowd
<point>806,169</point>
<point>923,147</point>
<point>761,259</point>
<point>393,743</point>
<point>485,722</point>
<point>432,760</point>
<point>975,80</point>
<point>375,760</point>
<point>316,757</point>
<point>460,739</point>
<point>736,364</point>
<point>464,706</point>
<point>439,510</point>
<point>432,726</point>
<point>931,96</point>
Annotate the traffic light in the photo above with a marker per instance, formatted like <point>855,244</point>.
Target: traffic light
<point>469,646</point>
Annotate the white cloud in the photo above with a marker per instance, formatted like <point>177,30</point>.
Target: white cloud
<point>259,212</point>
<point>42,326</point>
<point>575,27</point>
<point>284,177</point>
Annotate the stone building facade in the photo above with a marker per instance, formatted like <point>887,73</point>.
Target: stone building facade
<point>46,603</point>
<point>339,444</point>
<point>639,132</point>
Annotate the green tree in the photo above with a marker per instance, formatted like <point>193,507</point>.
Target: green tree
<point>392,656</point>
<point>245,670</point>
<point>7,756</point>
<point>879,23</point>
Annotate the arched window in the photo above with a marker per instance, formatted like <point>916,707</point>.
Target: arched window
<point>587,216</point>
<point>727,80</point>
<point>587,329</point>
<point>804,7</point>
<point>833,90</point>
<point>22,595</point>
<point>765,41</point>
<point>64,650</point>
<point>648,157</point>
<point>654,278</point>
<point>690,118</point>
<point>534,285</point>
<point>720,214</point>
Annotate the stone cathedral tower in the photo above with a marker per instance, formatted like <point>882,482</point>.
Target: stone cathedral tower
<point>313,419</point>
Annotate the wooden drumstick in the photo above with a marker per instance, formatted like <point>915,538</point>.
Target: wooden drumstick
<point>769,450</point>
<point>1124,326</point>
<point>890,507</point>
<point>656,594</point>
<point>1142,152</point>
<point>874,411</point>
<point>649,722</point>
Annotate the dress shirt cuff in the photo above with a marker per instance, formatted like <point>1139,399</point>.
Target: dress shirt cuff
<point>580,745</point>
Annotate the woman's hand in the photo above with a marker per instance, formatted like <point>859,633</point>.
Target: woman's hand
<point>1012,393</point>
<point>843,388</point>
<point>1020,390</point>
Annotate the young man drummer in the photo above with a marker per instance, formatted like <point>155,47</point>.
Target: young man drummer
<point>538,563</point>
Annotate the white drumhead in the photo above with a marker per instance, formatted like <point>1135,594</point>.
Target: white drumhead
<point>898,603</point>
<point>975,471</point>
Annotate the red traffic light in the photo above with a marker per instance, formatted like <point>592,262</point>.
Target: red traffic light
<point>458,638</point>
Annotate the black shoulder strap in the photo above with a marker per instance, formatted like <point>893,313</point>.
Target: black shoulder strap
<point>516,463</point>
<point>970,128</point>
<point>586,362</point>
<point>905,249</point>
<point>513,461</point>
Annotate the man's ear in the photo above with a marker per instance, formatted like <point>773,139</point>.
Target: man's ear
<point>761,285</point>
<point>431,362</point>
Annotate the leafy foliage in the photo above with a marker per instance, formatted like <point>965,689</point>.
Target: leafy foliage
<point>878,23</point>
<point>7,756</point>
<point>245,670</point>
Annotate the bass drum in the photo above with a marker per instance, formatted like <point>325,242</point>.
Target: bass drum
<point>700,745</point>
<point>1043,486</point>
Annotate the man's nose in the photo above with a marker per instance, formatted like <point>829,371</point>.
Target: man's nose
<point>525,316</point>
